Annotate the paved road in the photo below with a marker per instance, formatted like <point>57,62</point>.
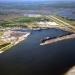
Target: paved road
<point>65,23</point>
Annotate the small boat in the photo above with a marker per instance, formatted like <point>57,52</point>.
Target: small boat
<point>47,38</point>
<point>37,29</point>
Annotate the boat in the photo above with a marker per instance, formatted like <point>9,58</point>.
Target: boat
<point>47,38</point>
<point>35,28</point>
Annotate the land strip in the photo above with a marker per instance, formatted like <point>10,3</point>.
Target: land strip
<point>58,39</point>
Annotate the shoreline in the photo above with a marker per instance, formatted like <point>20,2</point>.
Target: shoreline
<point>58,39</point>
<point>26,34</point>
<point>21,38</point>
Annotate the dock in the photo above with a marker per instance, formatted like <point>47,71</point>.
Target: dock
<point>58,39</point>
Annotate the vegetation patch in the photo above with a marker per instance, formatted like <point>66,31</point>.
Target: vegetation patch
<point>23,21</point>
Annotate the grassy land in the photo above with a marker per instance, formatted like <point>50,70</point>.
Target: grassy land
<point>22,21</point>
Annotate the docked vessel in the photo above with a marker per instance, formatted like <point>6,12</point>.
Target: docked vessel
<point>46,38</point>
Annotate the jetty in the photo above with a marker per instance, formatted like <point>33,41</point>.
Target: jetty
<point>58,39</point>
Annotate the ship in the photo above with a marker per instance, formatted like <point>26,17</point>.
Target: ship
<point>47,38</point>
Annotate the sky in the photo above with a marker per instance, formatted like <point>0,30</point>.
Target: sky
<point>37,0</point>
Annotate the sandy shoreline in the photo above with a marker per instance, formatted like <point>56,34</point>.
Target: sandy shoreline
<point>21,38</point>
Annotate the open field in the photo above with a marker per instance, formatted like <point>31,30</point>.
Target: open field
<point>22,21</point>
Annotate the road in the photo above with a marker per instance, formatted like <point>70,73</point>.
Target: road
<point>72,28</point>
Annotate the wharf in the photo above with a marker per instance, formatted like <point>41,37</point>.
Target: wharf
<point>58,39</point>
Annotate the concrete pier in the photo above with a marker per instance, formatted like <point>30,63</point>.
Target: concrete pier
<point>58,39</point>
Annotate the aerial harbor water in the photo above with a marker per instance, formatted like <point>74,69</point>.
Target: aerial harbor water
<point>30,58</point>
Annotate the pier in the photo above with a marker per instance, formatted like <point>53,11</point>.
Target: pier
<point>58,39</point>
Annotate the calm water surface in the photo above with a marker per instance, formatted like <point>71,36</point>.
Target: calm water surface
<point>29,58</point>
